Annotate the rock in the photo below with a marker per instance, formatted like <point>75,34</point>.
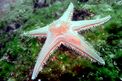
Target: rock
<point>5,6</point>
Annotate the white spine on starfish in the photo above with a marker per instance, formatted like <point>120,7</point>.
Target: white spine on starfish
<point>67,16</point>
<point>50,45</point>
<point>37,32</point>
<point>87,24</point>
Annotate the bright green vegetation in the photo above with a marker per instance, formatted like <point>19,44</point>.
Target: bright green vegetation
<point>18,54</point>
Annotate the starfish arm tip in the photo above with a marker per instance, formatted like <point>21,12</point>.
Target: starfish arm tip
<point>67,15</point>
<point>102,62</point>
<point>26,34</point>
<point>108,17</point>
<point>23,34</point>
<point>71,4</point>
<point>32,77</point>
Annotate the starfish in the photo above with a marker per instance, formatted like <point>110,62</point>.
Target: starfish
<point>65,31</point>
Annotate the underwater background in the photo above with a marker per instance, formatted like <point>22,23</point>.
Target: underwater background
<point>18,53</point>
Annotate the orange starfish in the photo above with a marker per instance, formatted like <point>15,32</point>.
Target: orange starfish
<point>65,31</point>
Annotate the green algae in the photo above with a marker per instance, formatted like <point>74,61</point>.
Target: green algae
<point>23,51</point>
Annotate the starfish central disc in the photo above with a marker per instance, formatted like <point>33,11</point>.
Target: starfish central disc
<point>59,30</point>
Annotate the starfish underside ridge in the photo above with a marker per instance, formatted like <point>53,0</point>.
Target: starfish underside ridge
<point>65,31</point>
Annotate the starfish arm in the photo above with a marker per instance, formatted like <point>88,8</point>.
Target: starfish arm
<point>37,32</point>
<point>87,24</point>
<point>79,44</point>
<point>67,16</point>
<point>88,48</point>
<point>50,45</point>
